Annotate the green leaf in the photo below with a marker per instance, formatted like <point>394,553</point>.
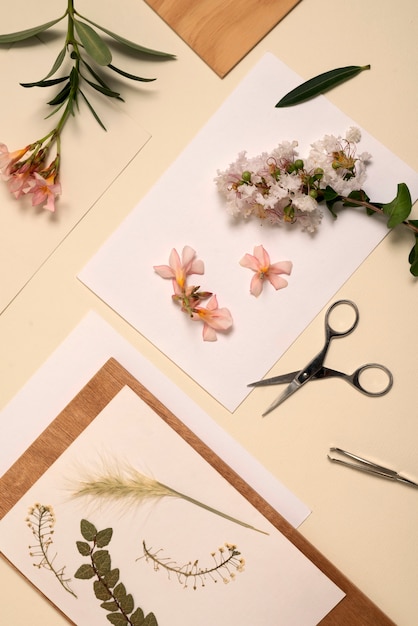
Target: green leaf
<point>83,548</point>
<point>101,591</point>
<point>88,530</point>
<point>127,604</point>
<point>129,44</point>
<point>45,83</point>
<point>101,560</point>
<point>84,572</point>
<point>400,207</point>
<point>117,619</point>
<point>61,96</point>
<point>319,84</point>
<point>137,617</point>
<point>103,537</point>
<point>150,620</point>
<point>111,578</point>
<point>110,606</point>
<point>119,592</point>
<point>130,76</point>
<point>331,197</point>
<point>30,32</point>
<point>94,45</point>
<point>57,63</point>
<point>413,258</point>
<point>93,112</point>
<point>104,90</point>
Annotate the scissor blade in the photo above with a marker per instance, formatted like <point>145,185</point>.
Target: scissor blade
<point>290,389</point>
<point>275,380</point>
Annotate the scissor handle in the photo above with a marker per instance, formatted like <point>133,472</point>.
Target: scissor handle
<point>332,332</point>
<point>354,379</point>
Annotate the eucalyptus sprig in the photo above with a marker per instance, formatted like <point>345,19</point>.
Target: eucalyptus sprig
<point>107,587</point>
<point>89,55</point>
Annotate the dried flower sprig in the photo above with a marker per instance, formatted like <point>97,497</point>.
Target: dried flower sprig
<point>41,521</point>
<point>130,486</point>
<point>88,54</point>
<point>107,587</point>
<point>190,298</point>
<point>227,561</point>
<point>281,188</point>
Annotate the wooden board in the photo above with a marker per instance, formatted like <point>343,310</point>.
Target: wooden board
<point>222,32</point>
<point>355,608</point>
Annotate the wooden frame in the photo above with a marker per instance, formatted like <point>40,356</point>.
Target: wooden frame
<point>222,32</point>
<point>355,608</point>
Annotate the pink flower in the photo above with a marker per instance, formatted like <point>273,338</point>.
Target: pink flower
<point>44,190</point>
<point>8,159</point>
<point>178,269</point>
<point>213,318</point>
<point>260,264</point>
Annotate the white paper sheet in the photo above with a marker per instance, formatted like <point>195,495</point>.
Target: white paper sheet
<point>278,585</point>
<point>29,235</point>
<point>184,208</point>
<point>76,361</point>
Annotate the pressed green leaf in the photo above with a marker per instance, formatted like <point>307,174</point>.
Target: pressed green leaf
<point>119,591</point>
<point>101,591</point>
<point>45,83</point>
<point>83,548</point>
<point>130,44</point>
<point>319,84</point>
<point>137,617</point>
<point>84,572</point>
<point>150,620</point>
<point>400,207</point>
<point>413,258</point>
<point>88,530</point>
<point>111,577</point>
<point>94,45</point>
<point>103,537</point>
<point>101,560</point>
<point>95,74</point>
<point>127,604</point>
<point>110,606</point>
<point>93,112</point>
<point>30,32</point>
<point>117,619</point>
<point>130,76</point>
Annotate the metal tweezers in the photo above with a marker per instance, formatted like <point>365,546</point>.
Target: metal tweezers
<point>363,465</point>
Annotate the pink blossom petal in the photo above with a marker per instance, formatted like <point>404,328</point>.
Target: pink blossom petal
<point>277,281</point>
<point>208,333</point>
<point>283,267</point>
<point>249,261</point>
<point>164,271</point>
<point>256,285</point>
<point>262,256</point>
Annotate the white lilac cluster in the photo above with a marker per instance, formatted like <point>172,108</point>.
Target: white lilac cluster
<point>281,188</point>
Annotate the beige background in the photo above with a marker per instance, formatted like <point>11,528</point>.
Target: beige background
<point>366,526</point>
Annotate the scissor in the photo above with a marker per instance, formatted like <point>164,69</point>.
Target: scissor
<point>315,369</point>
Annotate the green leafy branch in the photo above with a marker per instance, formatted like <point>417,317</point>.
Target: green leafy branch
<point>83,45</point>
<point>397,211</point>
<point>107,588</point>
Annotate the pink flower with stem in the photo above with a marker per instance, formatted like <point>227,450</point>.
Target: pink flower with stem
<point>259,262</point>
<point>213,318</point>
<point>178,269</point>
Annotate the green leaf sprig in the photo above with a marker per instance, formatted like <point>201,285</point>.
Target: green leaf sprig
<point>107,587</point>
<point>89,56</point>
<point>320,84</point>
